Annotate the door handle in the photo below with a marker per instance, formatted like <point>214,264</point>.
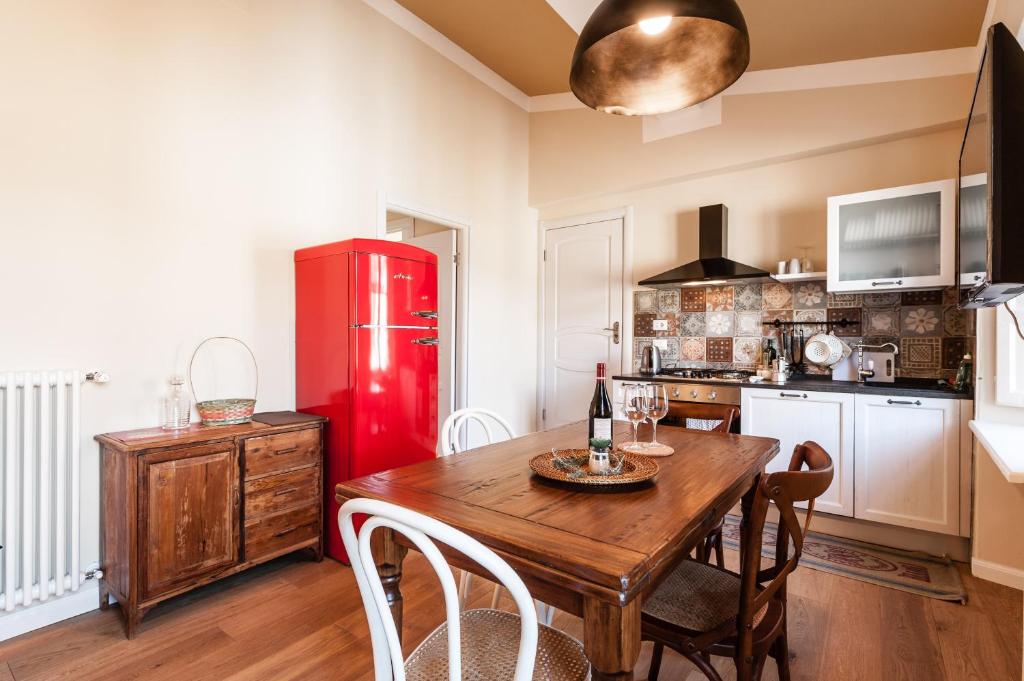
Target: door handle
<point>426,341</point>
<point>916,403</point>
<point>614,328</point>
<point>898,282</point>
<point>425,314</point>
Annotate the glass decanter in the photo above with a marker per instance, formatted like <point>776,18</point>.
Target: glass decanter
<point>177,406</point>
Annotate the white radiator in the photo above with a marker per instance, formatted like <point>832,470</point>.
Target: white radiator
<point>39,441</point>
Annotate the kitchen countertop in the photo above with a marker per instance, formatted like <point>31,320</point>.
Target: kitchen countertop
<point>907,387</point>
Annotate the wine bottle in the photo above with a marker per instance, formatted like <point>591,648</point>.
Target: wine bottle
<point>600,409</point>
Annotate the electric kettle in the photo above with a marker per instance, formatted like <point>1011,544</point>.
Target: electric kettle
<point>650,361</point>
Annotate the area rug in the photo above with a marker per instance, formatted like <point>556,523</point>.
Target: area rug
<point>917,573</point>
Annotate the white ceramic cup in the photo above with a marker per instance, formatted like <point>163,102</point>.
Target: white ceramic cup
<point>794,266</point>
<point>782,267</point>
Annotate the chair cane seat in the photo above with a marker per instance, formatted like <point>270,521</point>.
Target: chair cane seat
<point>490,643</point>
<point>697,597</point>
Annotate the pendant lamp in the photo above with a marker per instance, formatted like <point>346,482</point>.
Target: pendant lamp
<point>639,57</point>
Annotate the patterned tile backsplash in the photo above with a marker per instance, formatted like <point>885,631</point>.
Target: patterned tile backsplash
<point>721,326</point>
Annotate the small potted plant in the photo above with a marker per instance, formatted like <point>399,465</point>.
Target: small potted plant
<point>599,453</point>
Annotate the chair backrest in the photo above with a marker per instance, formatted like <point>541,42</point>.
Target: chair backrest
<point>422,530</point>
<point>783,489</point>
<point>451,429</point>
<point>717,417</point>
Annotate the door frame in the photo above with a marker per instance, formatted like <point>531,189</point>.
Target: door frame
<point>392,202</point>
<point>625,213</point>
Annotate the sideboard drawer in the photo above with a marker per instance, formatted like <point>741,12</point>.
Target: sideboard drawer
<point>282,452</point>
<point>276,533</point>
<point>274,493</point>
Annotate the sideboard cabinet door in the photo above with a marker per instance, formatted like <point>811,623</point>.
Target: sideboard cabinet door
<point>188,515</point>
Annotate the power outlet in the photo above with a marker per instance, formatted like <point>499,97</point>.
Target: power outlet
<point>661,344</point>
<point>661,325</point>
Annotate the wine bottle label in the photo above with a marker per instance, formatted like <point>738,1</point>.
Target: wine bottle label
<point>602,429</point>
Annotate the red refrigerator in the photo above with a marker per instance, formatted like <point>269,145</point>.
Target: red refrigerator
<point>366,358</point>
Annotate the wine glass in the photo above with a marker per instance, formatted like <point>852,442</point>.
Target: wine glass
<point>657,409</point>
<point>635,408</point>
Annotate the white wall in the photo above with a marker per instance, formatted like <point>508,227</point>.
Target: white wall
<point>160,161</point>
<point>774,210</point>
<point>998,504</point>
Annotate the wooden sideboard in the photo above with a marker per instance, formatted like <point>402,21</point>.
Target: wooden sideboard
<point>185,508</point>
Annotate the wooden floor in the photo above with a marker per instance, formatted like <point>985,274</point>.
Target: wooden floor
<point>296,619</point>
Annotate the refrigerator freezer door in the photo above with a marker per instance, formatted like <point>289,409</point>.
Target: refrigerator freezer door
<point>394,291</point>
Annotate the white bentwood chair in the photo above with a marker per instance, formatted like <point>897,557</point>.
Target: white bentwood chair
<point>451,443</point>
<point>483,641</point>
<point>451,429</point>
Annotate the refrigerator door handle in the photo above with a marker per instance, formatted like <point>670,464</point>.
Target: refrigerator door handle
<point>425,314</point>
<point>426,341</point>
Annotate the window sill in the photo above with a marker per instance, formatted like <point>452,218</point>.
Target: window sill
<point>1003,441</point>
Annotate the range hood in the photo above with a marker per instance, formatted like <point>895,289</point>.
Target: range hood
<point>712,267</point>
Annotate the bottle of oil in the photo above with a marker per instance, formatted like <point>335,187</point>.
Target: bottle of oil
<point>964,374</point>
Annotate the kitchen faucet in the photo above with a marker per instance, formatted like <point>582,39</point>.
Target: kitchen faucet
<point>863,373</point>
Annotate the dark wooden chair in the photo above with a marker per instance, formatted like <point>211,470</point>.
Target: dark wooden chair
<point>680,412</point>
<point>701,610</point>
<point>707,414</point>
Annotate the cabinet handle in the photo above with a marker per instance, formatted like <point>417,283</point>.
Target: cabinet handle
<point>425,314</point>
<point>284,532</point>
<point>289,450</point>
<point>898,282</point>
<point>426,341</point>
<point>804,396</point>
<point>282,492</point>
<point>916,403</point>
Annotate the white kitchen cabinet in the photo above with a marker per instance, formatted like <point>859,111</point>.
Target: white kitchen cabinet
<point>908,462</point>
<point>796,416</point>
<point>892,239</point>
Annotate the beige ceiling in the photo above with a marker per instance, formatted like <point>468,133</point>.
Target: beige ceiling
<point>523,41</point>
<point>799,32</point>
<point>528,44</point>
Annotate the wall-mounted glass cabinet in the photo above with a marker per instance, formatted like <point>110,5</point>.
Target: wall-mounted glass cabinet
<point>897,238</point>
<point>973,229</point>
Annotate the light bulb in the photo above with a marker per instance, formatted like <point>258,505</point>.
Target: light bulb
<point>655,25</point>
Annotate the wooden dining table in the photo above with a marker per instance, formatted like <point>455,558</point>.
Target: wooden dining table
<point>592,553</point>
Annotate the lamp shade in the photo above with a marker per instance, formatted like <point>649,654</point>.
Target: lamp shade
<point>637,57</point>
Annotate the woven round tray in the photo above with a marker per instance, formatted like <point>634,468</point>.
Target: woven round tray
<point>635,468</point>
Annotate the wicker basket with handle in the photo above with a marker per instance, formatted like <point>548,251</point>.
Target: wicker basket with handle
<point>225,411</point>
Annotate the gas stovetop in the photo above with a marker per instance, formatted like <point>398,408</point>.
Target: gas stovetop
<point>728,375</point>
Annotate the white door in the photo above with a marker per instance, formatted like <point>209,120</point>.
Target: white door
<point>908,462</point>
<point>796,416</point>
<point>582,314</point>
<point>443,244</point>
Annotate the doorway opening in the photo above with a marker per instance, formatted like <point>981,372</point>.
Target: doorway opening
<point>448,240</point>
